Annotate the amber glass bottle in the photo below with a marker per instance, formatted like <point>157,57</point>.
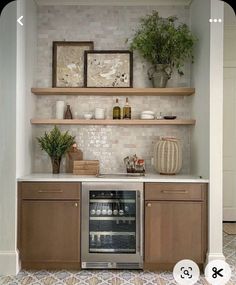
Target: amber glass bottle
<point>68,113</point>
<point>116,111</point>
<point>127,110</point>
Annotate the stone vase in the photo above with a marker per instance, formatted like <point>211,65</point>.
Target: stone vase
<point>159,75</point>
<point>168,156</point>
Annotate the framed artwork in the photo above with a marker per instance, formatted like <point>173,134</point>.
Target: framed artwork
<point>110,68</point>
<point>68,63</point>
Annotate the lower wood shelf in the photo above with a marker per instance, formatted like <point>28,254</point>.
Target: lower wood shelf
<point>112,122</point>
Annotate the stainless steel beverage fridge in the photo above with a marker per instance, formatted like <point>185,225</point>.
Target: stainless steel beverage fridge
<point>112,220</point>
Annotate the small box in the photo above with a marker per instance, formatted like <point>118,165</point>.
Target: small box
<point>86,167</point>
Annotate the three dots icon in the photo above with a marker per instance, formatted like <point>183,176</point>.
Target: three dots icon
<point>215,20</point>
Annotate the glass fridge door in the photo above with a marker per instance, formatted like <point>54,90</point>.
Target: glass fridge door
<point>112,221</point>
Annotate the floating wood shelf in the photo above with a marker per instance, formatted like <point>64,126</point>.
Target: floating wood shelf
<point>112,122</point>
<point>115,91</point>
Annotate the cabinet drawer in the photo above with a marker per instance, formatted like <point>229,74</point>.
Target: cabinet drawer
<point>57,191</point>
<point>175,191</point>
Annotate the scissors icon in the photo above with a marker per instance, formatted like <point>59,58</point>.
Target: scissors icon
<point>217,272</point>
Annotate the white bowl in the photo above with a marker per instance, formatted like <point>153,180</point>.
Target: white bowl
<point>147,117</point>
<point>88,116</point>
<point>148,113</point>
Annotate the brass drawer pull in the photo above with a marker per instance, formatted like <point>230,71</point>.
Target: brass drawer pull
<point>50,191</point>
<point>149,205</point>
<point>76,205</point>
<point>174,191</point>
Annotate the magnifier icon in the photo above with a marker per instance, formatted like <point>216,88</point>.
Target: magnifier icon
<point>186,272</point>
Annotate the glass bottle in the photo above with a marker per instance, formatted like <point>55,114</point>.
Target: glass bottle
<point>127,110</point>
<point>116,111</point>
<point>68,113</point>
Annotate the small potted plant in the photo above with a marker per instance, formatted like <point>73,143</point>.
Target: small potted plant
<point>56,144</point>
<point>165,44</point>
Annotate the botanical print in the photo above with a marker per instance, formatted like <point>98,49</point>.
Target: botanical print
<point>108,69</point>
<point>70,65</point>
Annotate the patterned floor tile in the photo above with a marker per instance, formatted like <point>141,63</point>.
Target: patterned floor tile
<point>113,277</point>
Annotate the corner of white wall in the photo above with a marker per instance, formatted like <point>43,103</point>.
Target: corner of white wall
<point>200,76</point>
<point>207,141</point>
<point>215,250</point>
<point>8,204</point>
<point>26,62</point>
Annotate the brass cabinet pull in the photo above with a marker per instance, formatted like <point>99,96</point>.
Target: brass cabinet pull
<point>76,205</point>
<point>50,191</point>
<point>174,191</point>
<point>149,205</point>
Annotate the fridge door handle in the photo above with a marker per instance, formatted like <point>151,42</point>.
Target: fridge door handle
<point>140,208</point>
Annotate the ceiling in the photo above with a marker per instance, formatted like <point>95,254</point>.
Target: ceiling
<point>114,2</point>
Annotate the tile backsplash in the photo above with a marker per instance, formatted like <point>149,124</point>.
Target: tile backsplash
<point>108,27</point>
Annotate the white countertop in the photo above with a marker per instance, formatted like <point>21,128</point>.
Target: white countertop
<point>47,177</point>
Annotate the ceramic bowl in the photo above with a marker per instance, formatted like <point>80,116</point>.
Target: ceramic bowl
<point>148,113</point>
<point>88,116</point>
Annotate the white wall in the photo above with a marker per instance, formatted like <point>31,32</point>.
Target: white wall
<point>17,59</point>
<point>229,141</point>
<point>26,65</point>
<point>8,251</point>
<point>207,78</point>
<point>215,250</point>
<point>200,9</point>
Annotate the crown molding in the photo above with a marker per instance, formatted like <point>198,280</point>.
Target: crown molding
<point>114,2</point>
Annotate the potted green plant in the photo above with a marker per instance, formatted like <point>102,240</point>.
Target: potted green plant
<point>164,43</point>
<point>56,144</point>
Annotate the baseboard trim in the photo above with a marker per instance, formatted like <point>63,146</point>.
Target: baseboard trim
<point>50,265</point>
<point>214,256</point>
<point>9,262</point>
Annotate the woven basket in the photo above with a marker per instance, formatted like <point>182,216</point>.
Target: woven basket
<point>168,156</point>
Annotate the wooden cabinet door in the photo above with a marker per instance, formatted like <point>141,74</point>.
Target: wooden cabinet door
<point>174,230</point>
<point>50,233</point>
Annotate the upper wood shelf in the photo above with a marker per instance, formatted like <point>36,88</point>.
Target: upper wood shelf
<point>112,122</point>
<point>115,91</point>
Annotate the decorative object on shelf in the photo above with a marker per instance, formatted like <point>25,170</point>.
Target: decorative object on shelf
<point>72,155</point>
<point>159,75</point>
<point>165,44</point>
<point>116,111</point>
<point>160,116</point>
<point>68,113</point>
<point>111,68</point>
<point>56,144</point>
<point>86,167</point>
<point>68,63</point>
<point>60,107</point>
<point>88,116</point>
<point>127,110</point>
<point>168,156</point>
<point>147,115</point>
<point>100,113</point>
<point>170,117</point>
<point>134,164</point>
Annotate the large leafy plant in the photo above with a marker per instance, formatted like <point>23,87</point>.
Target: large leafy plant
<point>56,143</point>
<point>163,41</point>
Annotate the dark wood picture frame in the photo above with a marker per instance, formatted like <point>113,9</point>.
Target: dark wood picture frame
<point>86,54</point>
<point>57,44</point>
